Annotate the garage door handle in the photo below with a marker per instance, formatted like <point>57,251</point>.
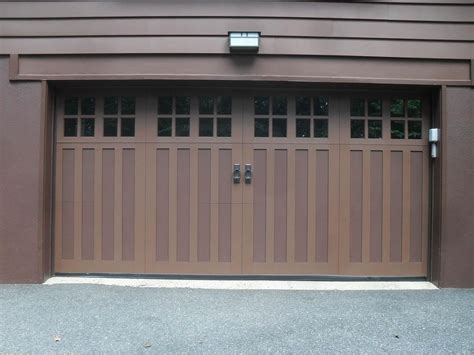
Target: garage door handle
<point>236,174</point>
<point>248,173</point>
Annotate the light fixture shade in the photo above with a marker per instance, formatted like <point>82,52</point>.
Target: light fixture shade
<point>244,41</point>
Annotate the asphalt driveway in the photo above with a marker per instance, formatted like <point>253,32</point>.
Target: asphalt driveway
<point>97,318</point>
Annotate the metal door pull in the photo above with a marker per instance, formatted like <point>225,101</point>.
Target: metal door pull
<point>248,173</point>
<point>236,174</point>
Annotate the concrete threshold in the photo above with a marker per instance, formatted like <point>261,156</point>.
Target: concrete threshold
<point>246,284</point>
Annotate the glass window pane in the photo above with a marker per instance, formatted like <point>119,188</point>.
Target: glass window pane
<point>127,127</point>
<point>321,129</point>
<point>321,106</point>
<point>279,127</point>
<point>182,105</point>
<point>303,128</point>
<point>224,127</point>
<point>224,105</point>
<point>357,128</point>
<point>165,105</point>
<point>206,105</point>
<point>182,126</point>
<point>279,105</point>
<point>164,126</point>
<point>261,127</point>
<point>111,105</point>
<point>414,129</point>
<point>357,107</point>
<point>87,127</point>
<point>375,128</point>
<point>397,129</point>
<point>414,108</point>
<point>262,105</point>
<point>303,106</point>
<point>71,106</point>
<point>397,108</point>
<point>70,127</point>
<point>374,108</point>
<point>88,106</point>
<point>110,127</point>
<point>128,105</point>
<point>206,128</point>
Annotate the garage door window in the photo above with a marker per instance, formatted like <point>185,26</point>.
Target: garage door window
<point>407,122</point>
<point>311,111</point>
<point>366,115</point>
<point>79,111</point>
<point>274,120</point>
<point>212,116</point>
<point>175,109</point>
<point>119,112</point>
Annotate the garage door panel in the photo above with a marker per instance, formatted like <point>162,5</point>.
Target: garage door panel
<point>292,192</point>
<point>99,197</point>
<point>339,183</point>
<point>384,218</point>
<point>193,209</point>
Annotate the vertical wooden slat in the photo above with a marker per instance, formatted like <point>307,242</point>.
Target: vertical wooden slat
<point>333,208</point>
<point>345,215</point>
<point>58,210</point>
<point>366,195</point>
<point>356,205</point>
<point>78,203</point>
<point>98,204</point>
<point>260,205</point>
<point>214,206</point>
<point>87,181</point>
<point>128,203</point>
<point>225,206</point>
<point>162,186</point>
<point>376,205</point>
<point>290,203</point>
<point>204,205</point>
<point>109,206</point>
<point>322,205</point>
<point>406,206</point>
<point>183,205</point>
<point>416,208</point>
<point>173,206</point>
<point>280,205</point>
<point>396,205</point>
<point>118,204</point>
<point>68,220</point>
<point>300,208</point>
<point>139,240</point>
<point>193,209</point>
<point>386,206</point>
<point>270,205</point>
<point>311,201</point>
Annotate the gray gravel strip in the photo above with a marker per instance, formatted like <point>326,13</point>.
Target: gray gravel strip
<point>96,318</point>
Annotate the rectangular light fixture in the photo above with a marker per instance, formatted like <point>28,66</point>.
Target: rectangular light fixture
<point>244,41</point>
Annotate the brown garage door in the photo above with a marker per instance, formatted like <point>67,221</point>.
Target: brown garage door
<point>330,183</point>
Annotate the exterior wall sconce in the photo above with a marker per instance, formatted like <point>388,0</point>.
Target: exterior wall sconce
<point>244,41</point>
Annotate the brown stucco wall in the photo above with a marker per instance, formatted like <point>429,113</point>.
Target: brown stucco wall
<point>20,136</point>
<point>457,240</point>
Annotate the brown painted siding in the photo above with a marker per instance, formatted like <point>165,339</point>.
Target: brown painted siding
<point>288,28</point>
<point>21,258</point>
<point>457,240</point>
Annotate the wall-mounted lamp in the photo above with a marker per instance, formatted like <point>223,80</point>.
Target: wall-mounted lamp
<point>244,41</point>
